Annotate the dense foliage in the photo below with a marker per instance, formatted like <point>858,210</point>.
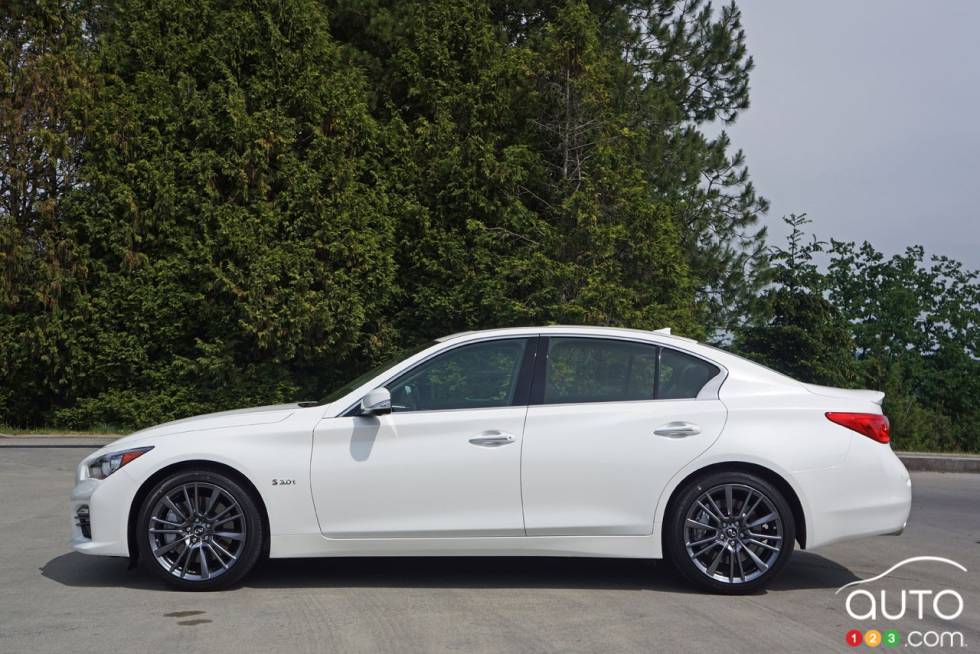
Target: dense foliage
<point>211,204</point>
<point>906,325</point>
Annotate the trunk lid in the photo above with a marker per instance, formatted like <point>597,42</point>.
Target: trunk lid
<point>875,397</point>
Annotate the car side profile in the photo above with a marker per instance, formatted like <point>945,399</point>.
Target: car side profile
<point>536,441</point>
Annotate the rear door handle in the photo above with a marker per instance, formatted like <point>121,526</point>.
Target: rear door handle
<point>677,430</point>
<point>492,439</point>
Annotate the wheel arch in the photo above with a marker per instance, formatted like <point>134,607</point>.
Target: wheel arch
<point>770,475</point>
<point>192,465</point>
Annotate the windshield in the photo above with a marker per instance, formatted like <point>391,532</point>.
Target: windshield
<point>338,393</point>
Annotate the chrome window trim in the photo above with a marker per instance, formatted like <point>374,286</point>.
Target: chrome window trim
<point>710,391</point>
<point>424,411</point>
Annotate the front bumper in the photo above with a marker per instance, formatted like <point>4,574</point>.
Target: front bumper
<point>107,502</point>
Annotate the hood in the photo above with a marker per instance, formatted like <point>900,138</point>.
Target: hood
<point>260,415</point>
<point>875,397</point>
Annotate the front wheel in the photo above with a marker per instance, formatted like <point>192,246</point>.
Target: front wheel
<point>730,532</point>
<point>199,530</point>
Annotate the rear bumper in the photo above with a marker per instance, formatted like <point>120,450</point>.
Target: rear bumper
<point>869,494</point>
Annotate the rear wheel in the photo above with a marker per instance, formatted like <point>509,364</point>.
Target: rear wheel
<point>199,530</point>
<point>730,532</point>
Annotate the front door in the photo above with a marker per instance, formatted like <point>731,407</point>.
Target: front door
<point>445,463</point>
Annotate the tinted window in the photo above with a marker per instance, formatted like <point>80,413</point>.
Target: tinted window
<point>467,377</point>
<point>683,376</point>
<point>596,370</point>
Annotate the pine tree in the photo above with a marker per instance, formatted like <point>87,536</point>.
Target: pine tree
<point>795,328</point>
<point>551,163</point>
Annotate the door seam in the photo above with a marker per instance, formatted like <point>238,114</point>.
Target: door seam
<point>520,470</point>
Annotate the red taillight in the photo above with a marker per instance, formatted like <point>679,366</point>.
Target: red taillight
<point>872,425</point>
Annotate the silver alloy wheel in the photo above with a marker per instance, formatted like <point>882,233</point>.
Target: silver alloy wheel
<point>197,531</point>
<point>733,533</point>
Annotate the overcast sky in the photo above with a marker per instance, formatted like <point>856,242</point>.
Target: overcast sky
<point>866,115</point>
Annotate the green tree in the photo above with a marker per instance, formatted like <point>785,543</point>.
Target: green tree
<point>550,159</point>
<point>905,325</point>
<point>794,328</point>
<point>45,90</point>
<point>238,238</point>
<point>916,326</point>
<point>692,67</point>
<point>251,201</point>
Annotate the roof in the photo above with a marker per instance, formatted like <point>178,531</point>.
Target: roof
<point>664,331</point>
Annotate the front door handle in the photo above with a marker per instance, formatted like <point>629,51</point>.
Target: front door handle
<point>677,430</point>
<point>492,439</point>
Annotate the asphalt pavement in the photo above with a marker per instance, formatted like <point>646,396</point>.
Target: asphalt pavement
<point>54,600</point>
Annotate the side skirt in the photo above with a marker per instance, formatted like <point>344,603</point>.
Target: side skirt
<point>315,545</point>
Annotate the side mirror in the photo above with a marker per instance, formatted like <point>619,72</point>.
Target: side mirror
<point>376,402</point>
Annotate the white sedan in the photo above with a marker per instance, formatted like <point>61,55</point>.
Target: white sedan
<point>550,441</point>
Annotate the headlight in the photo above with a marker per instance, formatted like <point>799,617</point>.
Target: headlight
<point>107,464</point>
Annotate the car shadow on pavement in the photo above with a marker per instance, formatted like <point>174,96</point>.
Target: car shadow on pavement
<point>805,571</point>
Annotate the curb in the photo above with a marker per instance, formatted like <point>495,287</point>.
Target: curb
<point>916,462</point>
<point>65,436</point>
<point>55,441</point>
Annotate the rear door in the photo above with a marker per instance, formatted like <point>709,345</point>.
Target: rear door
<point>610,423</point>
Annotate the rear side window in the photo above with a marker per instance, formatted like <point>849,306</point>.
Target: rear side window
<point>682,376</point>
<point>580,370</point>
<point>597,370</point>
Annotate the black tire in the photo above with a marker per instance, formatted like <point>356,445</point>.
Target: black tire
<point>730,539</point>
<point>237,556</point>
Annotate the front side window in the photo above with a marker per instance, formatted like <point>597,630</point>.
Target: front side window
<point>468,377</point>
<point>597,370</point>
